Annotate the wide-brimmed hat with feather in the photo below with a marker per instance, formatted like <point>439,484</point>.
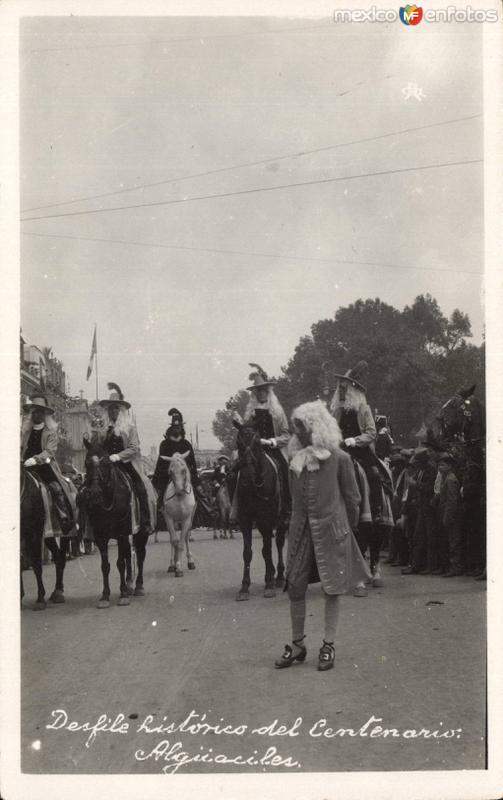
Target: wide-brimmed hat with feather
<point>259,378</point>
<point>116,397</point>
<point>354,376</point>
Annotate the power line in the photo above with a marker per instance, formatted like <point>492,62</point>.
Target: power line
<point>254,191</point>
<point>244,253</point>
<point>200,38</point>
<point>250,164</point>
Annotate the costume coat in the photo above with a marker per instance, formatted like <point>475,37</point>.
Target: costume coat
<point>132,455</point>
<point>367,426</point>
<point>326,501</point>
<point>49,444</point>
<point>169,447</point>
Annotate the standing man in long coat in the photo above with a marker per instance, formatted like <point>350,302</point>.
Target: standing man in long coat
<point>321,544</point>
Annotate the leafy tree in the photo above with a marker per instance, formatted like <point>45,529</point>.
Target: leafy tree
<point>222,425</point>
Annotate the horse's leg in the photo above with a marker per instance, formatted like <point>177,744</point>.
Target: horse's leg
<point>129,565</point>
<point>59,558</point>
<point>266,532</point>
<point>123,546</point>
<point>246,528</point>
<point>280,543</point>
<point>375,546</point>
<point>173,544</point>
<point>34,552</point>
<point>140,546</point>
<point>102,542</point>
<point>186,538</point>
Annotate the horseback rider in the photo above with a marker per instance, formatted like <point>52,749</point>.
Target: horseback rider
<point>123,447</point>
<point>350,408</point>
<point>39,443</point>
<point>175,442</point>
<point>221,471</point>
<point>266,414</point>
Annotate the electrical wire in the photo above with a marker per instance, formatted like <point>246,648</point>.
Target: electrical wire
<point>250,164</point>
<point>254,191</point>
<point>244,253</point>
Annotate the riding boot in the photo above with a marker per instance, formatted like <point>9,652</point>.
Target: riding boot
<point>59,502</point>
<point>145,525</point>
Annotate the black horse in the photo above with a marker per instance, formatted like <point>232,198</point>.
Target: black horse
<point>259,502</point>
<point>460,428</point>
<point>106,498</point>
<point>32,540</point>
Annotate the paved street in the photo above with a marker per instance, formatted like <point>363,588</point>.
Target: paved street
<point>188,646</point>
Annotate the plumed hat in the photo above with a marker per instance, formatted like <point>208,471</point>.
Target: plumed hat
<point>465,393</point>
<point>38,401</point>
<point>176,416</point>
<point>116,397</point>
<point>354,376</point>
<point>447,457</point>
<point>259,378</point>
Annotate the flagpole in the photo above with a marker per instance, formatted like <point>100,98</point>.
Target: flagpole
<point>96,359</point>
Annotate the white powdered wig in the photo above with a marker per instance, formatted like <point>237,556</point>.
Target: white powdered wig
<point>272,403</point>
<point>122,424</point>
<point>354,399</point>
<point>325,431</point>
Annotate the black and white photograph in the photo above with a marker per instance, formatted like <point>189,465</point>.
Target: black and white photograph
<point>252,344</point>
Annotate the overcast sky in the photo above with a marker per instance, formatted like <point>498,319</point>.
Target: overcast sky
<point>110,103</point>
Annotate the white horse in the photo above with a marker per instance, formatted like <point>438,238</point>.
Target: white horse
<point>178,508</point>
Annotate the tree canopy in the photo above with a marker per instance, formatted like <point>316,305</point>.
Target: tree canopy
<point>417,359</point>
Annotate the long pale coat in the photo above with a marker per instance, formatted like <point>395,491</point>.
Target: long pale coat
<point>328,499</point>
<point>132,454</point>
<point>49,444</point>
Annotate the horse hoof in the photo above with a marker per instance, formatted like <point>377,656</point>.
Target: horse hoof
<point>124,601</point>
<point>103,604</point>
<point>57,597</point>
<point>280,582</point>
<point>269,592</point>
<point>171,569</point>
<point>191,565</point>
<point>129,588</point>
<point>242,595</point>
<point>139,591</point>
<point>178,573</point>
<point>40,605</point>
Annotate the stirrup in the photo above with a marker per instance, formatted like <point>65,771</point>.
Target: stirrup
<point>287,658</point>
<point>327,656</point>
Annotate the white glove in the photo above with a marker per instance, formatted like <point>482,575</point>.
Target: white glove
<point>30,462</point>
<point>350,442</point>
<point>115,457</point>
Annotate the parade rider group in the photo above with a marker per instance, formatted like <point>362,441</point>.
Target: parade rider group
<point>318,484</point>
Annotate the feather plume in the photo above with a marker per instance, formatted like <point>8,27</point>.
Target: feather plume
<point>115,387</point>
<point>260,371</point>
<point>173,411</point>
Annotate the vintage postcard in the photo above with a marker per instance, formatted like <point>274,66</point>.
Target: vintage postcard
<point>252,355</point>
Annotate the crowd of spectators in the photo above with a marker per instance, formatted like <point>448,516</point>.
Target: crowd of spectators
<point>438,530</point>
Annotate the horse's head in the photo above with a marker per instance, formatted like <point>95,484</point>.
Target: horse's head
<point>462,416</point>
<point>98,470</point>
<point>179,473</point>
<point>249,454</point>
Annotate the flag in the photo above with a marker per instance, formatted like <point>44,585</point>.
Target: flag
<point>197,437</point>
<point>91,357</point>
<point>41,371</point>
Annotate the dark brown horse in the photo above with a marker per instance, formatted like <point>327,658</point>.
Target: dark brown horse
<point>460,428</point>
<point>259,502</point>
<point>106,498</point>
<point>32,540</point>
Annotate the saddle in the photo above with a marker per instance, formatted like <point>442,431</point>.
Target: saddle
<point>52,522</point>
<point>134,502</point>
